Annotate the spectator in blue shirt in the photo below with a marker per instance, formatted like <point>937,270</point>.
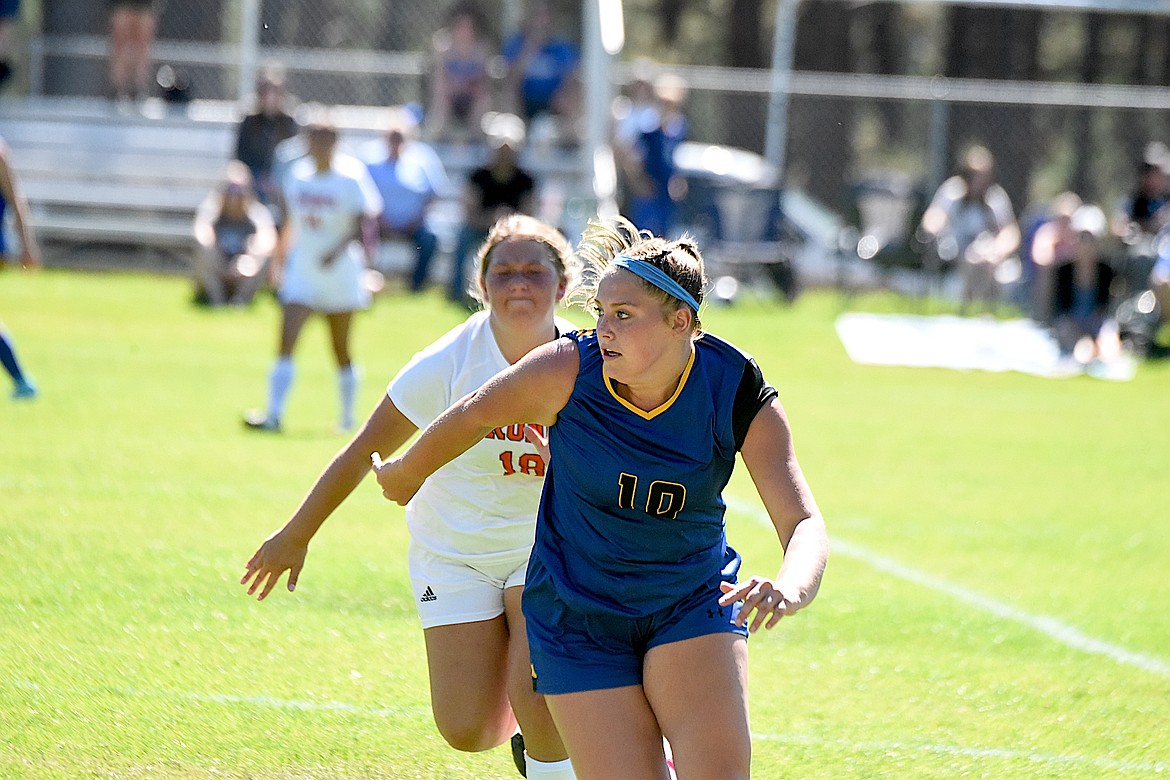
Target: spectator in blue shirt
<point>410,179</point>
<point>542,71</point>
<point>647,160</point>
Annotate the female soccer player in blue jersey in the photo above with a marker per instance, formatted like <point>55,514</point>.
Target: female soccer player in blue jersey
<point>637,625</point>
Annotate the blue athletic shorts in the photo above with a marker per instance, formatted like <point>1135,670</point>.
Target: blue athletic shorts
<point>9,9</point>
<point>575,651</point>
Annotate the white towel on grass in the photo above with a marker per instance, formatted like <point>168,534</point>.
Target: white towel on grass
<point>963,343</point>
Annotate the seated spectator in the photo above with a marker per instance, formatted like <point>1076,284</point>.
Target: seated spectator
<point>1082,301</point>
<point>236,236</point>
<point>1143,212</point>
<point>542,75</point>
<point>1052,245</point>
<point>460,83</point>
<point>497,189</point>
<point>637,106</point>
<point>260,132</point>
<point>647,162</point>
<point>1141,216</point>
<point>972,219</point>
<point>410,179</point>
<point>1160,285</point>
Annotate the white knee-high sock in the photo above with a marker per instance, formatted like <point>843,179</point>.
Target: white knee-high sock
<point>279,382</point>
<point>548,770</point>
<point>347,382</point>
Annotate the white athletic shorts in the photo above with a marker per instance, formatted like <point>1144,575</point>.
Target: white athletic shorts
<point>333,289</point>
<point>448,591</point>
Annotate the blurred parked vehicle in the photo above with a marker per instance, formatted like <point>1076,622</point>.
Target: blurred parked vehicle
<point>749,226</point>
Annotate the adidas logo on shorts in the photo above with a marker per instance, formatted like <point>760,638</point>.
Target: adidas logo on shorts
<point>428,595</point>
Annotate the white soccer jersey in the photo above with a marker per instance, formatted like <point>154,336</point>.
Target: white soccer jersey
<point>321,208</point>
<point>480,507</point>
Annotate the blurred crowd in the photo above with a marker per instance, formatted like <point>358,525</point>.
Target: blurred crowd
<point>494,107</point>
<point>1097,275</point>
<point>1100,281</point>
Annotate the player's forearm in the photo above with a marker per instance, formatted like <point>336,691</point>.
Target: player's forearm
<point>533,390</point>
<point>454,432</point>
<point>340,478</point>
<point>805,557</point>
<point>23,223</point>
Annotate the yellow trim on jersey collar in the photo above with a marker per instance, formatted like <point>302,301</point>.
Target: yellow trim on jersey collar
<point>650,415</point>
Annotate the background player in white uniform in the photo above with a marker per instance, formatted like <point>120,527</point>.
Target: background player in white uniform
<point>472,526</point>
<point>331,204</point>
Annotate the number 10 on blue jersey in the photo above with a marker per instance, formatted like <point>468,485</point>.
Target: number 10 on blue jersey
<point>663,499</point>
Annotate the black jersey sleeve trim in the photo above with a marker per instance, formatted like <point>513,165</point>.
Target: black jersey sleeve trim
<point>751,396</point>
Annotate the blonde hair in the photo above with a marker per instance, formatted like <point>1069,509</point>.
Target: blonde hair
<point>521,227</point>
<point>607,237</point>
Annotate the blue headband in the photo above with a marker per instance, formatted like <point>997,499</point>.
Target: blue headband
<point>657,277</point>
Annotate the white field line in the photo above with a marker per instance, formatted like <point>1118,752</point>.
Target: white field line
<point>271,702</point>
<point>1056,629</point>
<point>1141,767</point>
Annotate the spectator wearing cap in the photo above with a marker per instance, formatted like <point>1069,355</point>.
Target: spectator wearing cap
<point>410,179</point>
<point>1082,301</point>
<point>497,189</point>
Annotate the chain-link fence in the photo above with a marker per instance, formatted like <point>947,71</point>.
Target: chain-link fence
<point>846,133</point>
<point>356,52</point>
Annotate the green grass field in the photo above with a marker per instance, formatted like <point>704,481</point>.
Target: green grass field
<point>995,606</point>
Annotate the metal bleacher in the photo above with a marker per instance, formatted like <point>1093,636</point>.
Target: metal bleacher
<point>97,174</point>
<point>119,185</point>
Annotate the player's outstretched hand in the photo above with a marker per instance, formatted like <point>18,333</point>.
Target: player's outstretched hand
<point>396,484</point>
<point>277,555</point>
<point>763,596</point>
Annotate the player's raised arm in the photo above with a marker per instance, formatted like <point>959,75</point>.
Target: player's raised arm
<point>533,390</point>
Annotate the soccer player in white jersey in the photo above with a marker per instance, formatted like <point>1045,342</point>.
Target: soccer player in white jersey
<point>331,205</point>
<point>472,525</point>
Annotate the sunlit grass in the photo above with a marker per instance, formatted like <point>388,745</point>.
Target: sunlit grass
<point>966,510</point>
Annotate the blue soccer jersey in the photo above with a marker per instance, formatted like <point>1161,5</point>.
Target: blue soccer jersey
<point>631,518</point>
